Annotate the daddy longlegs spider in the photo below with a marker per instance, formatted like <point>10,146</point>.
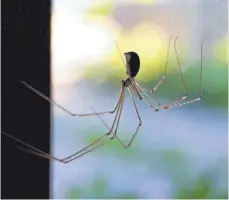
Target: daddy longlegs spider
<point>132,66</point>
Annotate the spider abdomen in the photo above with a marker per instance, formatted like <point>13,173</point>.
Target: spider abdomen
<point>132,63</point>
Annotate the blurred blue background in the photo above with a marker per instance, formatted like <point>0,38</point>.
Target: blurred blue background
<point>179,153</point>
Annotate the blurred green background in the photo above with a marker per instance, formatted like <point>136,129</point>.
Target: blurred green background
<point>180,153</point>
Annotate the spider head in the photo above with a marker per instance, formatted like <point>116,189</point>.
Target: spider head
<point>132,63</point>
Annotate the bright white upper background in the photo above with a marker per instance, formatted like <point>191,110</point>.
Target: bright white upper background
<point>69,47</point>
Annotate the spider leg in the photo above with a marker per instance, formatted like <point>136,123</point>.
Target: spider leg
<point>115,133</point>
<point>64,109</point>
<point>119,52</point>
<point>119,117</point>
<point>201,83</point>
<point>35,151</point>
<point>87,149</point>
<point>166,106</point>
<point>142,92</point>
<point>145,91</point>
<point>139,124</point>
<point>161,106</point>
<point>108,128</point>
<point>97,143</point>
<point>162,79</point>
<point>104,139</point>
<point>135,87</point>
<point>183,82</point>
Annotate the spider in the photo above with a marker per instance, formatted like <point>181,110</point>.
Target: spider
<point>130,84</point>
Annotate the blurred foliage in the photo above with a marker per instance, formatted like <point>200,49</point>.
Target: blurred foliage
<point>103,8</point>
<point>147,2</point>
<point>100,8</point>
<point>174,163</point>
<point>203,187</point>
<point>151,46</point>
<point>98,188</point>
<point>220,50</point>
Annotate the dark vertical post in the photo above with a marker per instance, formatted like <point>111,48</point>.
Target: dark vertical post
<point>26,56</point>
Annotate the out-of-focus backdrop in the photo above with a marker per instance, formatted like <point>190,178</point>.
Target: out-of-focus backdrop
<point>179,153</point>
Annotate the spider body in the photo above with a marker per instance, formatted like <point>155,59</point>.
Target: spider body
<point>132,66</point>
<point>132,63</point>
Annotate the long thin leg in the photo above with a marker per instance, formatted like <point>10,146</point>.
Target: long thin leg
<point>75,156</point>
<point>182,79</point>
<point>201,82</point>
<point>139,118</point>
<point>97,143</point>
<point>180,70</point>
<point>153,99</point>
<point>162,79</point>
<point>90,147</point>
<point>166,66</point>
<point>108,128</point>
<point>64,109</point>
<point>147,101</point>
<point>35,151</point>
<point>176,103</point>
<point>145,92</point>
<point>139,125</point>
<point>100,141</point>
<point>135,88</point>
<point>119,116</point>
<point>127,70</point>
